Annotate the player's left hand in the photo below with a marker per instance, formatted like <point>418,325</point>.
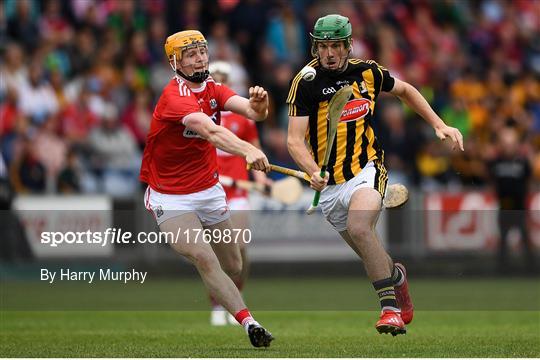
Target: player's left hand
<point>258,101</point>
<point>454,134</point>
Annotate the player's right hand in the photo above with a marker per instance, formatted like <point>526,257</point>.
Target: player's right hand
<point>317,182</point>
<point>257,160</point>
<point>451,132</point>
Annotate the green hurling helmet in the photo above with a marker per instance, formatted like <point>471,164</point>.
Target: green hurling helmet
<point>331,28</point>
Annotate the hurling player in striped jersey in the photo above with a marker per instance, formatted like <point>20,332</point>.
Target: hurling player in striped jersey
<point>355,183</point>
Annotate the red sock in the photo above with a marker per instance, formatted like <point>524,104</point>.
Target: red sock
<point>243,316</point>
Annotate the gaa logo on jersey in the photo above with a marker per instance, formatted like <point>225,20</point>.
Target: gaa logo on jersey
<point>355,110</point>
<point>213,104</point>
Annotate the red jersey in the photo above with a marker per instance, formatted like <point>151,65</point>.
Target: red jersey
<point>234,166</point>
<point>177,160</point>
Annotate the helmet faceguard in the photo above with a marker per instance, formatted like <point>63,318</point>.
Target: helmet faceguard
<point>176,44</point>
<point>332,28</point>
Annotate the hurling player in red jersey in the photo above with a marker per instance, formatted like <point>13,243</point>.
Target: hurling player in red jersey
<point>180,167</point>
<point>234,167</point>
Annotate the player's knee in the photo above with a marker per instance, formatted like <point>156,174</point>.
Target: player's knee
<point>360,231</point>
<point>204,260</point>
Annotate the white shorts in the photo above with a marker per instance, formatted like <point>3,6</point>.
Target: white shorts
<point>335,199</point>
<point>209,205</point>
<point>239,203</point>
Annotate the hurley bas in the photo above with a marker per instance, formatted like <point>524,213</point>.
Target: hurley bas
<point>89,276</point>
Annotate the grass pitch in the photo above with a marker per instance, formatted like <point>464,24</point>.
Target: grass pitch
<point>507,327</point>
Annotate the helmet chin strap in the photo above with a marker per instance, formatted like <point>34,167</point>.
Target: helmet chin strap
<point>196,77</point>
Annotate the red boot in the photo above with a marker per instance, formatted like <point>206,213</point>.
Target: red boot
<point>403,298</point>
<point>390,322</point>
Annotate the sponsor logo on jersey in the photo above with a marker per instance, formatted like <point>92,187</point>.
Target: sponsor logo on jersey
<point>355,110</point>
<point>191,134</point>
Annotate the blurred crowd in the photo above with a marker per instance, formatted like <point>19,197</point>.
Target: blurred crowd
<point>79,79</point>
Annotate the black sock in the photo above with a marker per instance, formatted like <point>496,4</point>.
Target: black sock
<point>387,295</point>
<point>397,276</point>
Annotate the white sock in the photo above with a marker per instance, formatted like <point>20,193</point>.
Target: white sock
<point>249,321</point>
<point>391,308</point>
<point>398,274</point>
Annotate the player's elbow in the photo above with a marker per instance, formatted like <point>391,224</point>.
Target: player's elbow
<point>202,125</point>
<point>293,143</point>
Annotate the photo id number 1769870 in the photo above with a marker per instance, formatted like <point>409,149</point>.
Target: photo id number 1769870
<point>225,236</point>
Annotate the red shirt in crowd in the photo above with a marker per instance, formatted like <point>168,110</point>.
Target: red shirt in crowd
<point>232,165</point>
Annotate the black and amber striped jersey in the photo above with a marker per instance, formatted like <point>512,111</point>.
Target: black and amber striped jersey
<point>355,143</point>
